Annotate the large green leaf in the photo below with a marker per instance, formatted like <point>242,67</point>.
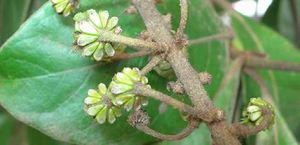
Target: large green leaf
<point>12,15</point>
<point>282,85</point>
<point>7,127</point>
<point>280,17</point>
<point>35,137</point>
<point>270,18</point>
<point>44,82</point>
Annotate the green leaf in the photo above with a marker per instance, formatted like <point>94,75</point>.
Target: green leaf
<point>270,18</point>
<point>35,137</point>
<point>282,85</point>
<point>7,127</point>
<point>281,18</point>
<point>12,15</point>
<point>44,81</point>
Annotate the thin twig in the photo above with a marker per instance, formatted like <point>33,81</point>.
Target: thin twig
<point>148,92</point>
<point>137,44</point>
<point>183,18</point>
<point>221,36</point>
<point>151,64</point>
<point>271,64</point>
<point>258,60</point>
<point>184,133</point>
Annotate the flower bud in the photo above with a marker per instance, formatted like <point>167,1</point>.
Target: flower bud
<point>252,115</point>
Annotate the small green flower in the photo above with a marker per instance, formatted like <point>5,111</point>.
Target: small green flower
<point>99,105</point>
<point>123,85</point>
<point>252,115</point>
<point>88,27</point>
<point>65,7</point>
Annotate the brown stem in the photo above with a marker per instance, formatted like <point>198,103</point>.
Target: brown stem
<point>153,21</point>
<point>137,44</point>
<point>184,133</point>
<point>221,134</point>
<point>221,36</point>
<point>151,64</point>
<point>258,60</point>
<point>271,64</point>
<point>148,92</point>
<point>242,130</point>
<point>192,85</point>
<point>177,87</point>
<point>183,18</point>
<point>185,72</point>
<point>141,120</point>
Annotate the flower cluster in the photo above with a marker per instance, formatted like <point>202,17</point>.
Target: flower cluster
<point>65,7</point>
<point>88,28</point>
<point>123,85</point>
<point>98,104</point>
<point>252,115</point>
<point>105,103</point>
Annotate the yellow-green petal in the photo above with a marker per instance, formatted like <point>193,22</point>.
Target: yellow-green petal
<point>103,18</point>
<point>122,78</point>
<point>84,39</point>
<point>121,99</point>
<point>111,116</point>
<point>255,116</point>
<point>91,100</point>
<point>113,21</point>
<point>252,109</point>
<point>87,27</point>
<point>57,1</point>
<point>99,52</point>
<point>90,49</point>
<point>68,10</point>
<point>101,115</point>
<point>132,73</point>
<point>93,110</point>
<point>94,17</point>
<point>120,88</point>
<point>128,105</point>
<point>59,8</point>
<point>144,80</point>
<point>102,88</point>
<point>93,93</point>
<point>109,50</point>
<point>79,17</point>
